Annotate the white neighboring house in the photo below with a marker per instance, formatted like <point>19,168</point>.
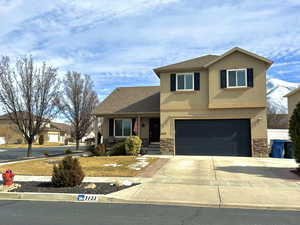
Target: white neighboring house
<point>2,140</point>
<point>90,134</point>
<point>279,134</point>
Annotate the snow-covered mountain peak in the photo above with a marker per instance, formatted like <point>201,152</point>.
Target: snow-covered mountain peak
<point>276,90</point>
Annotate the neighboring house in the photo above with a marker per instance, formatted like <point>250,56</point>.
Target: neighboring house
<point>278,125</point>
<point>211,105</point>
<point>293,99</point>
<point>53,132</point>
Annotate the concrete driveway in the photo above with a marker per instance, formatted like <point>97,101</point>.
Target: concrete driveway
<point>221,182</point>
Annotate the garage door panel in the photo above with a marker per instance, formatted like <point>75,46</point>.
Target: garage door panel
<point>213,137</point>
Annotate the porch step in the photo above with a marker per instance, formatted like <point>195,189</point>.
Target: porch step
<point>152,149</point>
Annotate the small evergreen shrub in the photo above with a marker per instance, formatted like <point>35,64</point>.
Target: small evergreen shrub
<point>68,173</point>
<point>118,149</point>
<point>99,150</point>
<point>41,139</point>
<point>133,145</point>
<point>294,131</point>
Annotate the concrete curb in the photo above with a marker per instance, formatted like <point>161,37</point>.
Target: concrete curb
<point>64,197</point>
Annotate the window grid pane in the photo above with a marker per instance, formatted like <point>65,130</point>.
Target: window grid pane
<point>126,127</point>
<point>241,78</point>
<point>118,127</point>
<point>189,81</point>
<point>232,78</point>
<point>180,82</point>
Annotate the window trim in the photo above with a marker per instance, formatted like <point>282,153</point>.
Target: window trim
<point>122,127</point>
<point>193,85</point>
<point>237,86</point>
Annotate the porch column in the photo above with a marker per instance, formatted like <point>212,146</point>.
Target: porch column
<point>139,126</point>
<point>96,129</point>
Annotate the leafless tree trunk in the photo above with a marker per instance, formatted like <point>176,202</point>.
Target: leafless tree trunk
<point>29,95</point>
<point>78,102</point>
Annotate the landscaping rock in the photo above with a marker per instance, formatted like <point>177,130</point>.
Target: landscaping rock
<point>4,188</point>
<point>90,186</point>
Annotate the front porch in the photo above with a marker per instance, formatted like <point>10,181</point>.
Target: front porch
<point>114,128</point>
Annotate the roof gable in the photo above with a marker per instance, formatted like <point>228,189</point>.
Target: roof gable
<point>205,62</point>
<point>237,49</point>
<point>126,100</point>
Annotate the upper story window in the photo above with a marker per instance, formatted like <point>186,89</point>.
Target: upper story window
<point>185,82</point>
<point>123,127</point>
<point>237,78</point>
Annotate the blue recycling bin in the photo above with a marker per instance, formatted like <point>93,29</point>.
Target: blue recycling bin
<point>278,148</point>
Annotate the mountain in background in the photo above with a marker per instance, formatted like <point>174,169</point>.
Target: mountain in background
<point>276,89</point>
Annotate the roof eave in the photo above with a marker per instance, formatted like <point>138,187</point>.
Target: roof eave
<point>235,49</point>
<point>292,92</point>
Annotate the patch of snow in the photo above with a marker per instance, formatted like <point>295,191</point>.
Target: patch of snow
<point>127,183</point>
<point>142,162</point>
<point>3,150</point>
<point>112,165</point>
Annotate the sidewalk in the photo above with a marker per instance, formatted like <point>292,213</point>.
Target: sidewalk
<point>209,181</point>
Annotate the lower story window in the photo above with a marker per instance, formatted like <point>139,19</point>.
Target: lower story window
<point>123,127</point>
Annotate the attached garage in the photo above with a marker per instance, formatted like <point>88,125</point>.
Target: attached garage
<point>216,137</point>
<point>53,138</point>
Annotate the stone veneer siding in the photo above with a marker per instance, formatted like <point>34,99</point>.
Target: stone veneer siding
<point>167,146</point>
<point>260,147</point>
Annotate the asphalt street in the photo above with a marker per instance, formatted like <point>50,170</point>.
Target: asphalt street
<point>9,154</point>
<point>62,213</point>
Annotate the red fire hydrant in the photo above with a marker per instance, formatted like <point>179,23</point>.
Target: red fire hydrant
<point>8,178</point>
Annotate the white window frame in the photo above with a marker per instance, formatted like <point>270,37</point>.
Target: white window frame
<point>122,127</point>
<point>237,86</point>
<point>178,74</point>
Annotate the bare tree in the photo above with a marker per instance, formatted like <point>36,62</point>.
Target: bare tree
<point>28,94</point>
<point>78,102</point>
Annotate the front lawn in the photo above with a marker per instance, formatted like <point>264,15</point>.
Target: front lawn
<point>33,145</point>
<point>116,166</point>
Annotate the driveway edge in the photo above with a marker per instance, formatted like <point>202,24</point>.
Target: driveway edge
<point>64,197</point>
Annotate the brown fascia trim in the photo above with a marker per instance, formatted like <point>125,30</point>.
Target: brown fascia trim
<point>189,69</point>
<point>128,113</point>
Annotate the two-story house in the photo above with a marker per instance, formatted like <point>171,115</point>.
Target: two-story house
<point>211,105</point>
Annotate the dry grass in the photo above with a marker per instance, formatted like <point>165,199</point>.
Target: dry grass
<point>92,166</point>
<point>33,146</point>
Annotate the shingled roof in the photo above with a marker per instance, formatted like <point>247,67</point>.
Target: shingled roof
<point>126,100</point>
<point>191,64</point>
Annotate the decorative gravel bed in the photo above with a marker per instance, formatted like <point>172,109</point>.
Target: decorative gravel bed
<point>47,187</point>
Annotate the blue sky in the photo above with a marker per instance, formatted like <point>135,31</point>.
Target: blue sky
<point>119,42</point>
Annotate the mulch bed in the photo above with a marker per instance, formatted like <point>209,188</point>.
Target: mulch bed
<point>296,171</point>
<point>47,187</point>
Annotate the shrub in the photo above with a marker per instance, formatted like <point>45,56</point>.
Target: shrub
<point>46,154</point>
<point>68,173</point>
<point>68,151</point>
<point>41,139</point>
<point>99,150</point>
<point>294,131</point>
<point>118,149</point>
<point>133,145</point>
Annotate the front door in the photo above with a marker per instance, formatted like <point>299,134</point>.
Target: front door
<point>154,129</point>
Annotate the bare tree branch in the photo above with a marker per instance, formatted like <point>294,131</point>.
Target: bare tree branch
<point>78,103</point>
<point>28,94</point>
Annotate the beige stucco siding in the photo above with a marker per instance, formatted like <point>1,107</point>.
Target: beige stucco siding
<point>183,100</point>
<point>238,97</point>
<point>212,102</point>
<point>293,100</point>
